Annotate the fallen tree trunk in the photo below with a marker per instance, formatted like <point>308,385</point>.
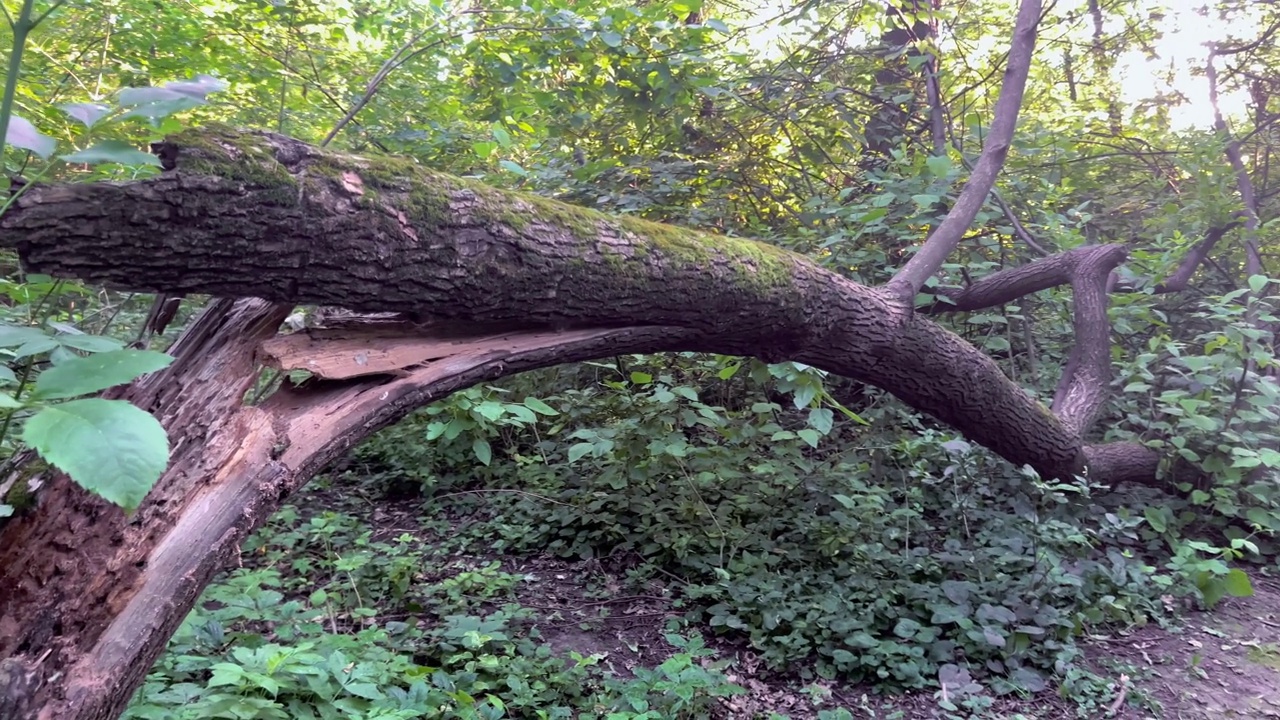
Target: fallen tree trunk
<point>490,283</point>
<point>256,214</point>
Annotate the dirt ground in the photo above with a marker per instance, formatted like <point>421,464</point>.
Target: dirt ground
<point>1223,664</point>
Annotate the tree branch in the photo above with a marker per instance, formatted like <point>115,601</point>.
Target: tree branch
<point>912,276</point>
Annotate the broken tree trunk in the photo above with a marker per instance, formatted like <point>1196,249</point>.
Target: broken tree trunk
<point>92,595</point>
<point>490,283</point>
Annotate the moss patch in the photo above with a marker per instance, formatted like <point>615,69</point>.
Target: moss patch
<point>222,151</point>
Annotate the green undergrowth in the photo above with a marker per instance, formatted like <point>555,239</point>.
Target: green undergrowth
<point>851,541</point>
<point>324,621</point>
<point>814,524</point>
<point>836,533</point>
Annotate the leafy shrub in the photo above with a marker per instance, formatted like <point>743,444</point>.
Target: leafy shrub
<point>328,623</point>
<point>879,565</point>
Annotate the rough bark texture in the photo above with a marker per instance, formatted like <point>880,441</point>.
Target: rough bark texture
<point>263,215</point>
<point>74,563</point>
<point>495,283</point>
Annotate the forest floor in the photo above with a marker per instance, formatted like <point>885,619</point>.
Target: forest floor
<point>1219,664</point>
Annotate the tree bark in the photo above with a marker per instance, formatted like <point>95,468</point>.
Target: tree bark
<point>257,214</point>
<point>490,283</point>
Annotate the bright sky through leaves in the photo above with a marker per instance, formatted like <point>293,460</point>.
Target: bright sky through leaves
<point>1176,71</point>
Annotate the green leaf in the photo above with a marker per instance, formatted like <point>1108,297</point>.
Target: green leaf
<point>22,134</point>
<point>640,378</point>
<point>513,168</point>
<point>804,395</point>
<point>108,447</point>
<point>366,690</point>
<point>1257,283</point>
<point>1155,519</point>
<point>36,347</point>
<point>163,108</point>
<point>484,453</point>
<point>84,375</point>
<point>728,372</point>
<point>491,410</point>
<point>539,407</point>
<point>87,114</point>
<point>939,165</point>
<point>943,614</point>
<point>90,343</point>
<point>112,151</point>
<point>520,415</point>
<point>821,419</point>
<point>578,450</point>
<point>9,402</point>
<point>198,87</point>
<point>993,637</point>
<point>1237,583</point>
<point>611,38</point>
<point>906,628</point>
<point>810,436</point>
<point>15,335</point>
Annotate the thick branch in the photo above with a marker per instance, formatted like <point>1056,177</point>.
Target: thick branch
<point>500,283</point>
<point>908,281</point>
<point>134,579</point>
<point>1086,381</point>
<point>1083,387</point>
<point>1181,277</point>
<point>1012,283</point>
<point>1253,260</point>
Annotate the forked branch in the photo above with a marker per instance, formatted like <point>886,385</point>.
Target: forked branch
<point>935,251</point>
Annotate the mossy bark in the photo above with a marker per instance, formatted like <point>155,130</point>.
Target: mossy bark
<point>256,214</point>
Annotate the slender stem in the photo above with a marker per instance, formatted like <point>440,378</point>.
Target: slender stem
<point>17,395</point>
<point>15,194</point>
<point>21,27</point>
<point>45,15</point>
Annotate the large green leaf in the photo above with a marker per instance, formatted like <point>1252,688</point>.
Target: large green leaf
<point>87,114</point>
<point>15,335</point>
<point>22,134</point>
<point>108,447</point>
<point>84,375</point>
<point>1237,583</point>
